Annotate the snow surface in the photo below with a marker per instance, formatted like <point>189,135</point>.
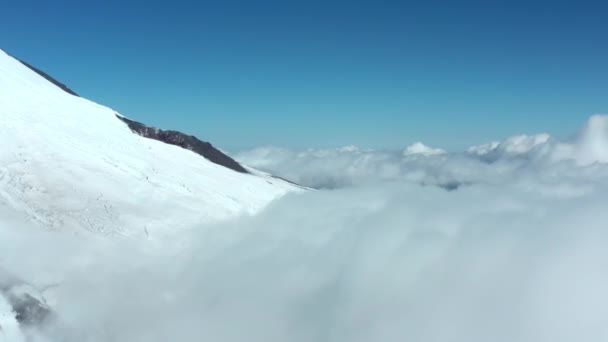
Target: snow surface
<point>69,163</point>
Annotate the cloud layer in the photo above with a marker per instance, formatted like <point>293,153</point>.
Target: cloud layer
<point>516,252</point>
<point>507,161</point>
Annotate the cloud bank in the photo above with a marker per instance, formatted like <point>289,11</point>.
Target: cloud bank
<point>516,252</point>
<point>528,156</point>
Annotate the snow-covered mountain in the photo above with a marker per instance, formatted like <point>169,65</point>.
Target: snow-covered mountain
<point>67,163</point>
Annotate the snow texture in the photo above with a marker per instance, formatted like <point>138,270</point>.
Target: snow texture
<point>67,163</point>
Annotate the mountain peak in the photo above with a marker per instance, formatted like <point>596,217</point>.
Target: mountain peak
<point>176,138</point>
<point>69,163</point>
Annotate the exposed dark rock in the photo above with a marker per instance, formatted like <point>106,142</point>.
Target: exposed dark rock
<point>188,142</point>
<point>290,182</point>
<point>48,78</point>
<point>29,311</point>
<point>176,138</point>
<point>453,185</point>
<point>26,301</point>
<point>450,186</point>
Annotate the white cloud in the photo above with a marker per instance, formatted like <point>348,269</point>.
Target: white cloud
<point>589,145</point>
<point>483,149</point>
<point>516,255</point>
<point>512,160</point>
<point>391,262</point>
<point>419,148</point>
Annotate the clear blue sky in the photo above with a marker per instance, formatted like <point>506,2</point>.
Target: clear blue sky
<point>326,73</point>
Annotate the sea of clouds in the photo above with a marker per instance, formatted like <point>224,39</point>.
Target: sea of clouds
<point>499,162</point>
<point>505,241</point>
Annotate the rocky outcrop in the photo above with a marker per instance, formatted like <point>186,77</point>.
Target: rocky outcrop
<point>26,303</point>
<point>176,138</point>
<point>188,142</point>
<point>30,311</point>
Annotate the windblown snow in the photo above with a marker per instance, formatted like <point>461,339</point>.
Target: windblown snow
<point>68,163</point>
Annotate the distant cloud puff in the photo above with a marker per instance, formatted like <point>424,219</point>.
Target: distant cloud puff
<point>421,149</point>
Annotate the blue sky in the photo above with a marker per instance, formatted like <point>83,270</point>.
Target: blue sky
<point>326,73</point>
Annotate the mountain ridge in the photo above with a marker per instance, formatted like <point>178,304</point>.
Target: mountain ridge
<point>70,163</point>
<point>172,137</point>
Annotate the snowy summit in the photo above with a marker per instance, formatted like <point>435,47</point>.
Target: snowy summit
<point>69,163</point>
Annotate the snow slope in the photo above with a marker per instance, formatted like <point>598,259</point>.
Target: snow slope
<point>69,163</point>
